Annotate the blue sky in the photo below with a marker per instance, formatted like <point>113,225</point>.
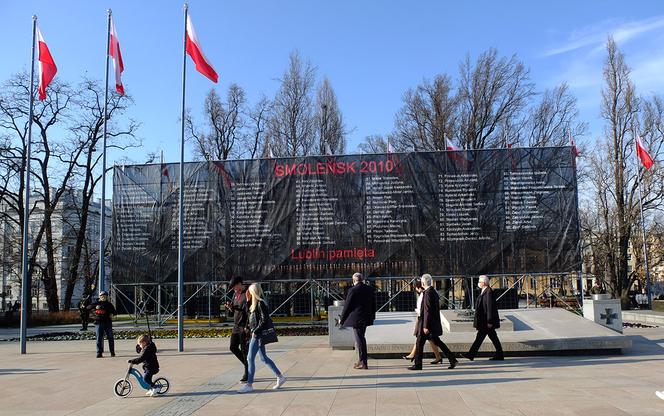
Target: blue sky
<point>371,51</point>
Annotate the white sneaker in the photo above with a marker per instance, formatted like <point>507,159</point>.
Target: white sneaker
<point>660,394</point>
<point>247,388</point>
<point>151,392</point>
<point>281,380</point>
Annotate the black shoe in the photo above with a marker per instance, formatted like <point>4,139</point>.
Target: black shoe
<point>438,361</point>
<point>243,379</point>
<point>497,358</point>
<point>468,357</point>
<point>83,329</point>
<point>100,356</point>
<point>415,367</point>
<point>112,354</point>
<point>453,363</point>
<point>405,357</point>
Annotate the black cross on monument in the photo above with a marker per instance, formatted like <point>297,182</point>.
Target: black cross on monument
<point>609,316</point>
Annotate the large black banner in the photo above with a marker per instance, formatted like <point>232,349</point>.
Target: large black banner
<point>446,213</point>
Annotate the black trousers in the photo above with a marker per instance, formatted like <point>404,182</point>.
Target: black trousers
<point>419,349</point>
<point>361,343</point>
<point>147,376</point>
<point>479,339</point>
<point>240,347</point>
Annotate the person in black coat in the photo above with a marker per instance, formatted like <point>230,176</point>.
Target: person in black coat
<point>149,359</point>
<point>103,311</point>
<point>359,312</point>
<point>239,335</point>
<point>486,321</point>
<point>430,326</point>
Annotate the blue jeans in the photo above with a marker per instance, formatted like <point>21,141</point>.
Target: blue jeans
<point>104,328</point>
<point>254,348</point>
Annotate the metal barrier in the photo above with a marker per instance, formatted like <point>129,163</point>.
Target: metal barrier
<point>307,300</point>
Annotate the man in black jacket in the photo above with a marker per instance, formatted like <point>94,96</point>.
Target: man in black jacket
<point>430,325</point>
<point>103,311</point>
<point>359,312</point>
<point>239,335</point>
<point>486,320</point>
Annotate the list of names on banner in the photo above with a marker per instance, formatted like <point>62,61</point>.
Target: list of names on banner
<point>387,212</point>
<point>459,207</point>
<point>197,227</point>
<point>314,212</point>
<point>249,208</point>
<point>523,192</point>
<point>133,216</point>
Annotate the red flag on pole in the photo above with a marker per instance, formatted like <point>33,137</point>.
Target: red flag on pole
<point>47,68</point>
<point>196,52</point>
<point>114,52</point>
<point>642,153</point>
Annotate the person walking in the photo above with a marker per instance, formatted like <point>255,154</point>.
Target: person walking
<point>359,312</point>
<point>239,336</point>
<point>430,326</point>
<point>262,333</point>
<point>103,311</point>
<point>436,352</point>
<point>486,321</point>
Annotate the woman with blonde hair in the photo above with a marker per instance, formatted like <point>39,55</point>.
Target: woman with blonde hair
<point>262,332</point>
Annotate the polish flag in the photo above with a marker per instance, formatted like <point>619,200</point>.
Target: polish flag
<point>575,150</point>
<point>450,146</point>
<point>47,68</point>
<point>642,153</point>
<point>114,52</point>
<point>193,47</point>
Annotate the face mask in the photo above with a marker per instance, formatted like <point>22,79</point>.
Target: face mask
<point>479,285</point>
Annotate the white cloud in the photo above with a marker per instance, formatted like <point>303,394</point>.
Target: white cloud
<point>595,35</point>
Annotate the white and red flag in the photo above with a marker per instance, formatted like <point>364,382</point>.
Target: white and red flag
<point>193,47</point>
<point>450,146</point>
<point>575,150</point>
<point>643,155</point>
<point>47,68</point>
<point>114,52</point>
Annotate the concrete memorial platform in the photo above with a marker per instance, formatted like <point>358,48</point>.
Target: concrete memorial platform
<point>526,332</point>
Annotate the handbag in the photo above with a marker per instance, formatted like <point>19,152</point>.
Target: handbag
<point>269,334</point>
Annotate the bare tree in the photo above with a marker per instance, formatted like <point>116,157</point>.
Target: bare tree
<point>226,123</point>
<point>493,91</point>
<point>329,121</point>
<point>257,125</point>
<point>377,143</point>
<point>428,116</point>
<point>553,119</point>
<point>87,129</point>
<point>292,124</point>
<point>613,212</point>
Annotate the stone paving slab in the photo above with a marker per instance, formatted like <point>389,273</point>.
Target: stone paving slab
<point>64,378</point>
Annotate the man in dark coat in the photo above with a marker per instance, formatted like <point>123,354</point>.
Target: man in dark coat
<point>240,334</point>
<point>486,321</point>
<point>430,325</point>
<point>103,311</point>
<point>83,311</point>
<point>359,312</point>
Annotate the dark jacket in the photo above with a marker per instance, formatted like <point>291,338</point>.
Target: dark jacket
<point>240,312</point>
<point>360,306</point>
<point>102,311</point>
<point>259,319</point>
<point>430,314</point>
<point>486,310</point>
<point>148,357</point>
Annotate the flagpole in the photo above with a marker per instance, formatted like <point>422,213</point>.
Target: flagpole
<point>181,196</point>
<point>643,227</point>
<point>102,208</point>
<point>25,285</point>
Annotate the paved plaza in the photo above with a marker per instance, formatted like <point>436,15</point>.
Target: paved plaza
<point>64,378</point>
